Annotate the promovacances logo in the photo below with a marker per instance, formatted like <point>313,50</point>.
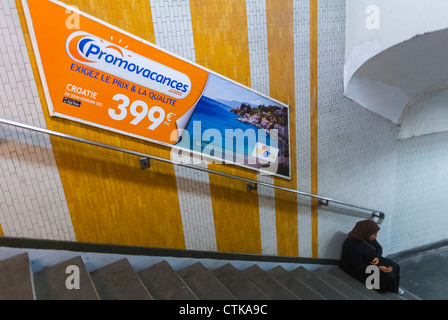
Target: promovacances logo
<point>106,56</point>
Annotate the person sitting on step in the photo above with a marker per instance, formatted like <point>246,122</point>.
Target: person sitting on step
<point>361,249</point>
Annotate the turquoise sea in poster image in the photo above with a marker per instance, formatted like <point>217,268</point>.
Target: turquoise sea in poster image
<point>206,129</point>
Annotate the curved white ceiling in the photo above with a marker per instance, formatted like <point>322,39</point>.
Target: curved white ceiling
<point>407,83</point>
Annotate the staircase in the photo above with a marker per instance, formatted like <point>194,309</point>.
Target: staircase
<point>120,281</point>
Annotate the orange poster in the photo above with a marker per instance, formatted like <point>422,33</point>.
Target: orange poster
<point>99,75</point>
<point>103,76</point>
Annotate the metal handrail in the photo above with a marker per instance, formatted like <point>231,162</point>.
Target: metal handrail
<point>252,184</point>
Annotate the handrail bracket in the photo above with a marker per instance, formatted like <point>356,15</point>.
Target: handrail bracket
<point>252,186</point>
<point>379,215</point>
<point>145,163</point>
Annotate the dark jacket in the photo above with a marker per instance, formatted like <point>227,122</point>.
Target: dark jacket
<point>356,257</point>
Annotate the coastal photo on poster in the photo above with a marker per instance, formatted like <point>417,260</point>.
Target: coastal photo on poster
<point>102,76</point>
<point>237,125</point>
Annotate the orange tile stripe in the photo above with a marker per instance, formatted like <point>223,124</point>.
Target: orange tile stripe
<point>314,126</point>
<point>102,190</point>
<point>1,231</point>
<point>110,199</point>
<point>280,32</point>
<point>221,44</point>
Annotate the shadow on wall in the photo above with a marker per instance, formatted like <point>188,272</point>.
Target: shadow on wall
<point>335,208</point>
<point>337,240</point>
<point>331,244</point>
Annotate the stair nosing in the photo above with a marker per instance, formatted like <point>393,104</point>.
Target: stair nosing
<point>30,292</point>
<point>131,270</point>
<point>344,284</point>
<point>47,269</point>
<point>178,277</point>
<point>222,286</point>
<point>229,265</point>
<point>301,283</point>
<point>279,283</point>
<point>339,296</point>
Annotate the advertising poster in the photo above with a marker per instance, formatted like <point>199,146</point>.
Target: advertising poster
<point>97,74</point>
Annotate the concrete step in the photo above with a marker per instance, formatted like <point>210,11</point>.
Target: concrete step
<point>349,280</point>
<point>271,287</point>
<point>50,282</point>
<point>119,281</point>
<point>317,284</point>
<point>296,286</point>
<point>163,283</point>
<point>16,278</point>
<point>409,295</point>
<point>204,284</point>
<point>241,287</point>
<point>371,294</point>
<point>348,291</point>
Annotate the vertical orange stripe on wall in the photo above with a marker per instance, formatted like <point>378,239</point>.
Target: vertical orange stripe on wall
<point>314,126</point>
<point>1,231</point>
<point>280,31</point>
<point>110,199</point>
<point>221,44</point>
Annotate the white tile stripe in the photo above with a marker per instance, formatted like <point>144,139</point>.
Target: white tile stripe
<point>32,200</point>
<point>174,32</point>
<point>194,193</point>
<point>302,85</point>
<point>259,77</point>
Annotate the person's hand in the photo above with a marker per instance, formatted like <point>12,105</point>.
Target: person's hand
<point>375,261</point>
<point>385,269</point>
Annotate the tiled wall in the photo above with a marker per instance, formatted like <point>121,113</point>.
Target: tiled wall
<point>175,34</point>
<point>280,33</point>
<point>54,189</point>
<point>362,162</point>
<point>259,76</point>
<point>356,147</point>
<point>32,200</point>
<point>419,211</point>
<point>302,85</point>
<point>221,44</point>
